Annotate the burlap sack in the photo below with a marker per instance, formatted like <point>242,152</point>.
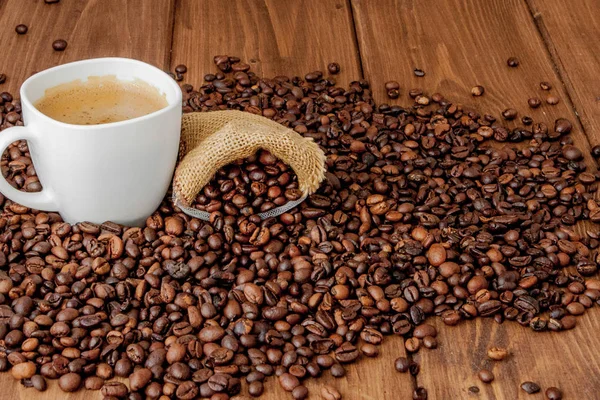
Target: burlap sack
<point>211,140</point>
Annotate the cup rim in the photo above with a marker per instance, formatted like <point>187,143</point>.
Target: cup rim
<point>171,82</point>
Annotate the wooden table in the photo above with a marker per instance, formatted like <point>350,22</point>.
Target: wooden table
<point>458,43</point>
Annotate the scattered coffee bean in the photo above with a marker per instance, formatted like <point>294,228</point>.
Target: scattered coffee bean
<point>69,382</point>
<point>59,45</point>
<point>39,383</point>
<point>393,93</point>
<point>526,120</point>
<point>530,387</point>
<point>430,342</point>
<point>420,393</point>
<point>552,100</point>
<point>21,29</point>
<point>497,353</point>
<point>419,72</point>
<point>513,62</point>
<point>330,393</point>
<point>333,68</point>
<point>553,393</point>
<point>545,85</point>
<point>412,344</point>
<point>288,382</point>
<point>338,370</point>
<point>255,388</point>
<point>369,350</point>
<point>402,364</point>
<point>486,376</point>
<point>596,151</point>
<point>390,85</point>
<point>181,69</point>
<point>300,392</point>
<point>509,114</point>
<point>2,78</point>
<point>477,90</point>
<point>24,370</point>
<point>534,102</point>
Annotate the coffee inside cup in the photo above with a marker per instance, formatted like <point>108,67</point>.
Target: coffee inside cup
<point>100,100</point>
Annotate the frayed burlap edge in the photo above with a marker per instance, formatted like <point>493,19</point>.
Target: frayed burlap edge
<point>215,139</point>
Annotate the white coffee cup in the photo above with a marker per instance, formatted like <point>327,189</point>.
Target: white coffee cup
<point>116,172</point>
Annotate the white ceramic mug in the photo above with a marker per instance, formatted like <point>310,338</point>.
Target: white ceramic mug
<point>116,172</point>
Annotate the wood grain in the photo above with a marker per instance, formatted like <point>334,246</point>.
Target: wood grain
<point>93,28</point>
<point>570,30</point>
<point>274,37</point>
<point>460,44</point>
<point>564,360</point>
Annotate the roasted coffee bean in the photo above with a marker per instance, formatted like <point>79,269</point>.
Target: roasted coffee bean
<point>369,350</point>
<point>21,29</point>
<point>534,102</point>
<point>288,382</point>
<point>69,382</point>
<point>114,389</point>
<point>39,383</point>
<point>552,100</point>
<point>497,353</point>
<point>420,393</point>
<point>333,68</point>
<point>300,392</point>
<point>509,114</point>
<point>530,387</point>
<point>477,90</point>
<point>330,393</point>
<point>419,72</point>
<point>23,370</point>
<point>402,364</point>
<point>512,62</point>
<point>337,370</point>
<point>59,45</point>
<point>140,378</point>
<point>2,78</point>
<point>545,85</point>
<point>553,393</point>
<point>485,376</point>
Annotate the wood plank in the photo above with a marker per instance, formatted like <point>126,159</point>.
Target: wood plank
<point>460,44</point>
<point>291,38</point>
<point>274,37</point>
<point>93,28</point>
<point>570,30</point>
<point>550,359</point>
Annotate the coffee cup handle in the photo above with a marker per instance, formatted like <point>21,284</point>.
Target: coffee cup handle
<point>42,200</point>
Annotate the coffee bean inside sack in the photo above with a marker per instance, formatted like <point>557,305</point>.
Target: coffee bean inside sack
<point>418,218</point>
<point>250,186</point>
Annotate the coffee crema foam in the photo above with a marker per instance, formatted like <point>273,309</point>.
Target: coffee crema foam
<point>100,100</point>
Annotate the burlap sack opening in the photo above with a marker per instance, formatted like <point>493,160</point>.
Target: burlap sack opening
<point>211,140</point>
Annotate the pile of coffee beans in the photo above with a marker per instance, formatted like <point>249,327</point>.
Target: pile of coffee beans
<point>419,216</point>
<point>249,187</point>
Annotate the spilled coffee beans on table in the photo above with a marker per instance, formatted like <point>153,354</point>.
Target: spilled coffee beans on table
<point>419,216</point>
